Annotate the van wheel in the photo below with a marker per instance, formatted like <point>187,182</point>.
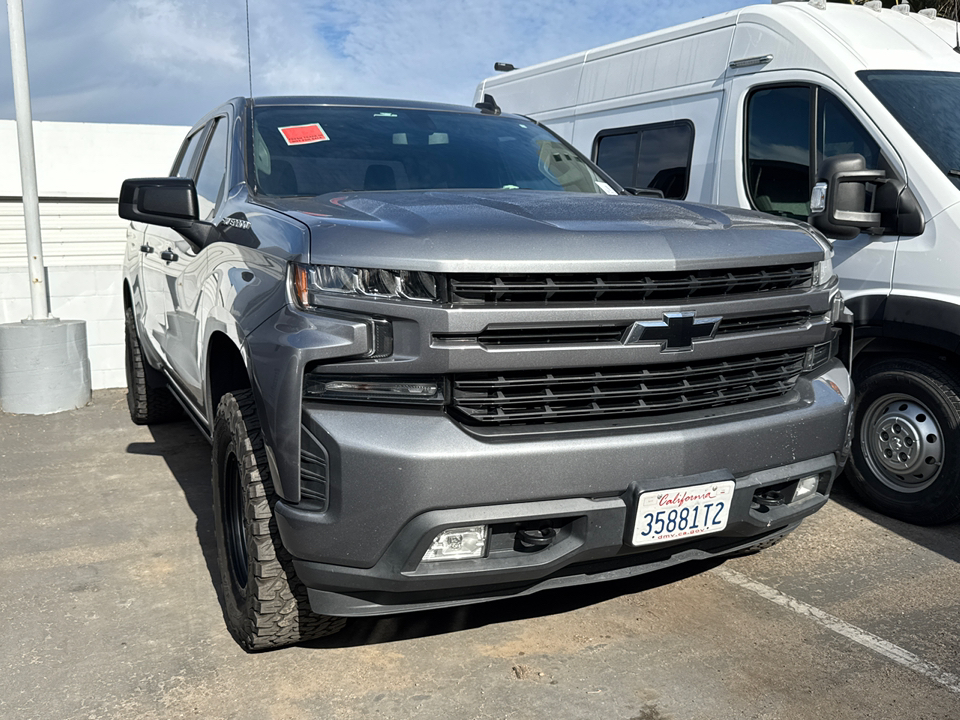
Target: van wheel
<point>265,604</point>
<point>906,454</point>
<point>148,397</point>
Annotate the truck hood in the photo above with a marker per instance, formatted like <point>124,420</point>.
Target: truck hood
<point>534,231</point>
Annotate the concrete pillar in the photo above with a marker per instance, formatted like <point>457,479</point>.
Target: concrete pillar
<point>44,366</point>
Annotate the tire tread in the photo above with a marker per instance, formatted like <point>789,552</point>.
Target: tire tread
<point>276,610</point>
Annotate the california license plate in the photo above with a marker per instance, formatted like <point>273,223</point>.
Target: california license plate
<point>685,512</point>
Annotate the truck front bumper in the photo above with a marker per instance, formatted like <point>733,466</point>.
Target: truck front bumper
<point>397,478</point>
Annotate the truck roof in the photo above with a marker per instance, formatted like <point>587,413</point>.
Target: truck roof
<point>358,102</point>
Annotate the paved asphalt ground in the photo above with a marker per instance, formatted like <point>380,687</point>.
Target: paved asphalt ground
<point>109,610</point>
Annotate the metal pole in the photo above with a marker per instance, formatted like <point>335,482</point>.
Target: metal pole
<point>28,165</point>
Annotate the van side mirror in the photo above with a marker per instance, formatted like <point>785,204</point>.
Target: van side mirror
<point>647,191</point>
<point>839,198</point>
<point>840,195</point>
<point>170,202</point>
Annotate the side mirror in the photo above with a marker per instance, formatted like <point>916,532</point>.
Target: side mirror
<point>840,195</point>
<point>647,191</point>
<point>170,202</point>
<point>838,202</point>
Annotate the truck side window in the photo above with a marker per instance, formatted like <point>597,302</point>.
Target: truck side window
<point>182,167</point>
<point>213,170</point>
<point>778,151</point>
<point>648,156</point>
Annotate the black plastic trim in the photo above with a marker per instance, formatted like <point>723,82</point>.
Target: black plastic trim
<point>922,320</point>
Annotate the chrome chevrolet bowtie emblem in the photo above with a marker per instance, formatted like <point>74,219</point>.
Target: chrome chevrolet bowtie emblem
<point>675,333</point>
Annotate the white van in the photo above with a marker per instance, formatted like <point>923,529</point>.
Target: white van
<point>744,109</point>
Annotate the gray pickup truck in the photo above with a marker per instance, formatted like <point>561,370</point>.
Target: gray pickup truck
<point>442,358</point>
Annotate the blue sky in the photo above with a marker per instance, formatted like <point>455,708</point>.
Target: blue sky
<point>170,61</point>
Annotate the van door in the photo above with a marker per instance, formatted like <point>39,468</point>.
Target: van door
<point>784,130</point>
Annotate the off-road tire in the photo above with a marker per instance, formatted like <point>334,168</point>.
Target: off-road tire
<point>927,396</point>
<point>265,604</point>
<point>148,398</point>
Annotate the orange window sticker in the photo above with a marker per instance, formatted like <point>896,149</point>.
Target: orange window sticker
<point>303,134</point>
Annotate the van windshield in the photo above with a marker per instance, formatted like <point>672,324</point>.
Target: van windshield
<point>927,104</point>
<point>310,150</point>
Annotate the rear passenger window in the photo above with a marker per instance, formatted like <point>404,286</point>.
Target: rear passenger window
<point>648,156</point>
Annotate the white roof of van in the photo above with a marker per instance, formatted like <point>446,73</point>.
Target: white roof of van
<point>849,34</point>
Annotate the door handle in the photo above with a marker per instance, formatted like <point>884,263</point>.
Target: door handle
<point>146,249</point>
<point>169,256</point>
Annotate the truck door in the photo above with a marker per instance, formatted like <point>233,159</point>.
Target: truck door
<point>156,271</point>
<point>785,131</point>
<point>186,268</point>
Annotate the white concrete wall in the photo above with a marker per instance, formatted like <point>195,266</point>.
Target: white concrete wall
<point>80,167</point>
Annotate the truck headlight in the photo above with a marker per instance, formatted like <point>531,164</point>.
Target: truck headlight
<point>823,270</point>
<point>310,282</point>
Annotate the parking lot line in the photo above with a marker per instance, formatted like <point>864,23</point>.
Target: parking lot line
<point>852,632</point>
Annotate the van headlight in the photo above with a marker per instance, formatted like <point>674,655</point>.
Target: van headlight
<point>310,281</point>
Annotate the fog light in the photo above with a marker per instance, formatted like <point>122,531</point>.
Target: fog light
<point>806,486</point>
<point>458,544</point>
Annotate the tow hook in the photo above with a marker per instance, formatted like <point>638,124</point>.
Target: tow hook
<point>540,538</point>
<point>768,499</point>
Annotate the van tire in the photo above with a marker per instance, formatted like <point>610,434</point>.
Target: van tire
<point>265,604</point>
<point>906,450</point>
<point>149,400</point>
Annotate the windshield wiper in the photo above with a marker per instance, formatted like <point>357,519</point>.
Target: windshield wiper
<point>954,173</point>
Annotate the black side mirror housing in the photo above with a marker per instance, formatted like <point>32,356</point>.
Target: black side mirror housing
<point>647,191</point>
<point>839,198</point>
<point>169,202</point>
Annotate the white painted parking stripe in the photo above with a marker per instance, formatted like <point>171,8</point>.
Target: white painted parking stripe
<point>862,637</point>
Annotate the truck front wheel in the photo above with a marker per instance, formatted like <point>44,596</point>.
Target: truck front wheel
<point>906,455</point>
<point>265,604</point>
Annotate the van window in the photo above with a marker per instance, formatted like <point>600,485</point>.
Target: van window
<point>778,151</point>
<point>927,105</point>
<point>648,156</point>
<point>839,132</point>
<point>784,152</point>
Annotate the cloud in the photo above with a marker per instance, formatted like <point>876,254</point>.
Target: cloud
<point>170,61</point>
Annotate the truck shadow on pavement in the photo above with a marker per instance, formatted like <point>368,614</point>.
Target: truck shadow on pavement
<point>941,539</point>
<point>187,455</point>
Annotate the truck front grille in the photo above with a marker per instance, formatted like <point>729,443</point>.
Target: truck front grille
<point>626,288</point>
<point>614,392</point>
<point>538,335</point>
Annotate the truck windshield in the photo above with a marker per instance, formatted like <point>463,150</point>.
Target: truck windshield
<point>309,150</point>
<point>927,104</point>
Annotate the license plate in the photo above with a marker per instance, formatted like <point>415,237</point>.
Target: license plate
<point>685,512</point>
